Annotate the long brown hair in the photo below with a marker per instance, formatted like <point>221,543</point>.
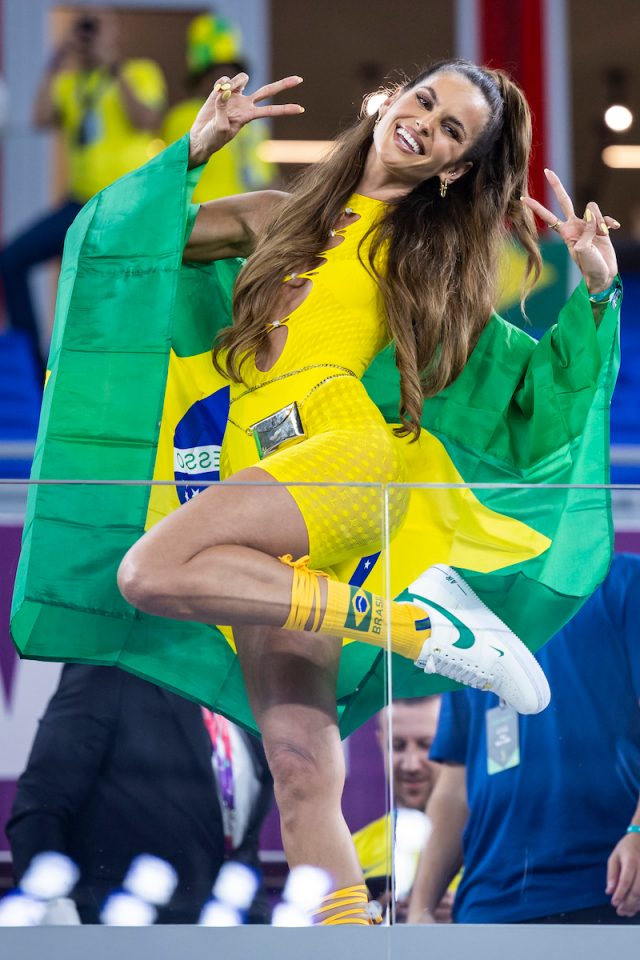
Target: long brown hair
<point>440,279</point>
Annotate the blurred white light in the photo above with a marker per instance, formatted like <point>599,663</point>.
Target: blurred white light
<point>412,831</point>
<point>125,910</point>
<point>18,910</point>
<point>374,103</point>
<point>61,912</point>
<point>216,914</point>
<point>622,156</point>
<point>151,879</point>
<point>236,886</point>
<point>305,888</point>
<point>4,107</point>
<point>618,118</point>
<point>49,876</point>
<point>286,915</point>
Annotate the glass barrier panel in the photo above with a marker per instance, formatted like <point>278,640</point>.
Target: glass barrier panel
<point>516,739</point>
<point>126,794</point>
<point>459,798</point>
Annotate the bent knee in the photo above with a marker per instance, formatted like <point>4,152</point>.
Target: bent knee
<point>298,774</point>
<point>139,586</point>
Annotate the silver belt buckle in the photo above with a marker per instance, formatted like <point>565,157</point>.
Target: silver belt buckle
<point>281,427</point>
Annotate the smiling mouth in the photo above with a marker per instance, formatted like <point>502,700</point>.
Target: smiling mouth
<point>408,141</point>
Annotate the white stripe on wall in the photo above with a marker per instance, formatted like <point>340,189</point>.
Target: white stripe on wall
<point>557,93</point>
<point>467,30</point>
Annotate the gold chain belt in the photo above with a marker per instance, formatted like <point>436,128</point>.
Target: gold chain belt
<point>285,425</point>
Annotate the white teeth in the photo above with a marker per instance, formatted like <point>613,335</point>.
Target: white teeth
<point>406,136</point>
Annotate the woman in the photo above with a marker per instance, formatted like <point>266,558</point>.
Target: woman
<point>396,237</point>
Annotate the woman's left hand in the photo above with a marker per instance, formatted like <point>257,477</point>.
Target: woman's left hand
<point>587,238</point>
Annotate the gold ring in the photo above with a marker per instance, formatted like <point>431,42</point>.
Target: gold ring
<point>555,226</point>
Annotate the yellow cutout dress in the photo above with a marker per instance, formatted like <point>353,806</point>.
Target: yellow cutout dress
<point>333,336</point>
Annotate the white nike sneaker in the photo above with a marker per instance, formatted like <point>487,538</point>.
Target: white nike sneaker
<point>470,644</point>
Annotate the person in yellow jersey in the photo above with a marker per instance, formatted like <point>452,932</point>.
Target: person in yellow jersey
<point>214,50</point>
<point>414,723</point>
<point>366,250</point>
<point>108,111</point>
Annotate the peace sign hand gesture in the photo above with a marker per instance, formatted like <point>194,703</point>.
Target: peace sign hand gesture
<point>227,109</point>
<point>587,239</point>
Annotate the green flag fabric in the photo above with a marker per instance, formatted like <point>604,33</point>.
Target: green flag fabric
<point>132,395</point>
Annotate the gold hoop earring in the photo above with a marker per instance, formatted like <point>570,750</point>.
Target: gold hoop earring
<point>444,185</point>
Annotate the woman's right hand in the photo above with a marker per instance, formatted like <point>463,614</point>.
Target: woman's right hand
<point>227,109</point>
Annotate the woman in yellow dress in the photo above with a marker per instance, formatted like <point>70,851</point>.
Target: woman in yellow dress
<point>395,237</point>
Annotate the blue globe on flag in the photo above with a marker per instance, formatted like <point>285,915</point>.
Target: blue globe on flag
<point>197,442</point>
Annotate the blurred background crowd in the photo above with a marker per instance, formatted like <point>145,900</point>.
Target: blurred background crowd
<point>90,91</point>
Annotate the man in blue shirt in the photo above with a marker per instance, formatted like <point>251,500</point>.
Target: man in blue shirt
<point>544,809</point>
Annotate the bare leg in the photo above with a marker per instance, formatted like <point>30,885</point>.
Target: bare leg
<point>214,559</point>
<point>292,689</point>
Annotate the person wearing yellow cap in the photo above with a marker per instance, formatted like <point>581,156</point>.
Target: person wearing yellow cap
<point>214,50</point>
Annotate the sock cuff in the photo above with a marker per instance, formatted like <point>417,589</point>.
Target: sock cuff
<point>305,594</point>
<point>351,904</point>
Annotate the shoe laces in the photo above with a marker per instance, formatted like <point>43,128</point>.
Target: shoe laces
<point>458,670</point>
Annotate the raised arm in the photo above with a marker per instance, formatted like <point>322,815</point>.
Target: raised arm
<point>44,113</point>
<point>442,857</point>
<point>228,227</point>
<point>587,239</point>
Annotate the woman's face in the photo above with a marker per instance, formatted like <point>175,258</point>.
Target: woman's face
<point>425,131</point>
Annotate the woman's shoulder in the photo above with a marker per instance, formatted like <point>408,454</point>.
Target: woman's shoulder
<point>228,226</point>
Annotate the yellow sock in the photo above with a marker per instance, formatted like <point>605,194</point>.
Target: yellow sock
<point>354,613</point>
<point>346,906</point>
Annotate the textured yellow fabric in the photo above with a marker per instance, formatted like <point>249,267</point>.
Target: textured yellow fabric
<point>373,846</point>
<point>334,333</point>
<point>235,169</point>
<point>114,146</point>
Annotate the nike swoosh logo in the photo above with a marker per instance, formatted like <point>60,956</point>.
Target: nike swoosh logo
<point>466,638</point>
<point>497,650</point>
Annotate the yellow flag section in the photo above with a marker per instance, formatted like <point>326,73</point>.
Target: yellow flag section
<point>443,524</point>
<point>447,524</point>
<point>191,382</point>
<point>194,415</point>
<point>513,264</point>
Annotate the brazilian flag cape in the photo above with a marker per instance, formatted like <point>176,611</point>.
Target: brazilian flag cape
<point>132,395</point>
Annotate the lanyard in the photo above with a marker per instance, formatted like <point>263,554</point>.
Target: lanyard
<point>89,88</point>
<point>220,734</point>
